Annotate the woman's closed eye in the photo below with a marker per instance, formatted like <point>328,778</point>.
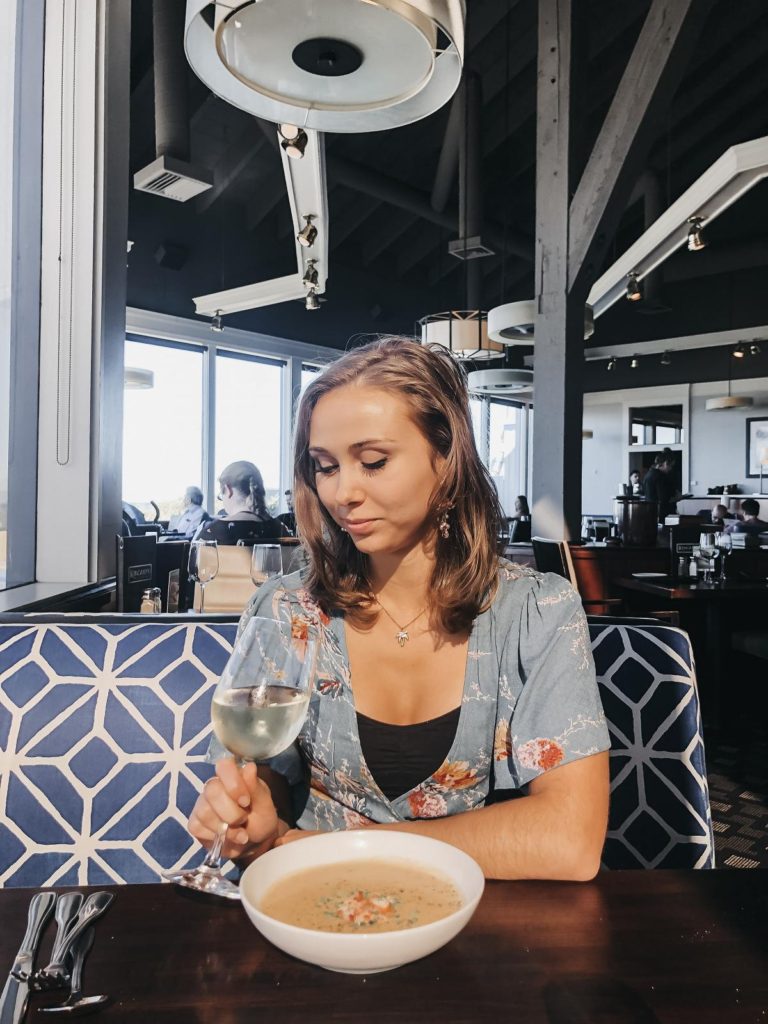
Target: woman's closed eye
<point>373,467</point>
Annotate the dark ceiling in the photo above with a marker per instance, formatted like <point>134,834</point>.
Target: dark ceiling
<point>390,265</point>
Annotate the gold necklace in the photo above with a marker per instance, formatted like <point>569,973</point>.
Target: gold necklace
<point>402,635</point>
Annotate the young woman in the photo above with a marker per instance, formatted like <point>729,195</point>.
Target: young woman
<point>444,674</point>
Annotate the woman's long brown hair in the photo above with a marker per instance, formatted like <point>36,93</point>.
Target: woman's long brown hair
<point>434,386</point>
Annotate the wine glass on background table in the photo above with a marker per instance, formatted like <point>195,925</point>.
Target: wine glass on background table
<point>709,550</point>
<point>725,546</point>
<point>258,708</point>
<point>203,564</point>
<point>266,563</point>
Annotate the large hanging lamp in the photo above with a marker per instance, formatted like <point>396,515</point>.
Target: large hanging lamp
<point>729,401</point>
<point>502,383</point>
<point>512,323</point>
<point>464,332</point>
<point>136,378</point>
<point>329,65</point>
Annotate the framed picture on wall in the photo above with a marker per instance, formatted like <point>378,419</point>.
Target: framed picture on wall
<point>757,445</point>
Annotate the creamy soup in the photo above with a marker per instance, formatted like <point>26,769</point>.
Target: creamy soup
<point>361,896</point>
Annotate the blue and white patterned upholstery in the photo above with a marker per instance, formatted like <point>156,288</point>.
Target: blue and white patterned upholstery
<point>104,727</point>
<point>660,815</point>
<point>103,734</point>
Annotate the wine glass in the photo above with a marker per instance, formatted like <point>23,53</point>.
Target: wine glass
<point>709,550</point>
<point>258,708</point>
<point>266,563</point>
<point>725,545</point>
<point>203,564</point>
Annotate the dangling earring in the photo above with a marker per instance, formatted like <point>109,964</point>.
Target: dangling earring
<point>444,526</point>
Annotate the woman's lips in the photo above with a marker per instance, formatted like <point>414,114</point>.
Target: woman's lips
<point>358,527</point>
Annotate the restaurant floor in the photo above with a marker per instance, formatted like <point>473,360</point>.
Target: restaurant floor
<point>738,793</point>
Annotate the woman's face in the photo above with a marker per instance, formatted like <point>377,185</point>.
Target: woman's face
<point>518,506</point>
<point>375,471</point>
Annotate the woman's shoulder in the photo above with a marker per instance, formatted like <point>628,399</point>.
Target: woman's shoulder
<point>520,586</point>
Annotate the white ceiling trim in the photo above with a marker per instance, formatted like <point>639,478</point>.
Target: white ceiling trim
<point>689,341</point>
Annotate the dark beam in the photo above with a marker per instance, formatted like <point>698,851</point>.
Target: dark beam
<point>657,65</point>
<point>559,329</point>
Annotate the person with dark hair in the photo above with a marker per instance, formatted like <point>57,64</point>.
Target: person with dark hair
<point>192,516</point>
<point>751,522</point>
<point>521,508</point>
<point>444,674</point>
<point>658,485</point>
<point>241,492</point>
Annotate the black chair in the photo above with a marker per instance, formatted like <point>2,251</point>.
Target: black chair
<point>555,556</point>
<point>230,531</point>
<point>519,531</point>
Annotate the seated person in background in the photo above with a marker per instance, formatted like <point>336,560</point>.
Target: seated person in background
<point>521,508</point>
<point>750,510</point>
<point>241,492</point>
<point>192,515</point>
<point>719,514</point>
<point>443,673</point>
<point>635,483</point>
<point>288,519</point>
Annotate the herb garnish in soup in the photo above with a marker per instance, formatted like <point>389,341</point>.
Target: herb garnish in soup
<point>361,896</point>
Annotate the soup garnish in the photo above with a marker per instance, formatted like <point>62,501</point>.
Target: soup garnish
<point>361,896</point>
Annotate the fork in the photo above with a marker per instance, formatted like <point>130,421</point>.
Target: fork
<point>56,974</point>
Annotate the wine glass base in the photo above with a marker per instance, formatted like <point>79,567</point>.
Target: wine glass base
<point>206,880</point>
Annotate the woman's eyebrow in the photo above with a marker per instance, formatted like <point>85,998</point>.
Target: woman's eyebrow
<point>370,441</point>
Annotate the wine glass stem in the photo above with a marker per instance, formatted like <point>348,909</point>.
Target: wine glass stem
<point>213,860</point>
<point>202,597</point>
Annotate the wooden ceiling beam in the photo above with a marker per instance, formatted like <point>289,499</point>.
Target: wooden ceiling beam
<point>655,69</point>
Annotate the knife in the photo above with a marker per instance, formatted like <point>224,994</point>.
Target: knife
<point>13,1002</point>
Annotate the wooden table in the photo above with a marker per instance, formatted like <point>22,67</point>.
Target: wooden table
<point>634,947</point>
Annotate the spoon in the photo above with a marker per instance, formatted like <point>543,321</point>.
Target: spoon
<point>76,1002</point>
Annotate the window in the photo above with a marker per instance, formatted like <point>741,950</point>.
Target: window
<point>659,425</point>
<point>508,451</point>
<point>163,426</point>
<point>248,416</point>
<point>21,55</point>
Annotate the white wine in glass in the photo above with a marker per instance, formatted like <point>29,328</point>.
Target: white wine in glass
<point>266,563</point>
<point>258,709</point>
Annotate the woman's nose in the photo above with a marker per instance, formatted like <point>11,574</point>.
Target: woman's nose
<point>348,490</point>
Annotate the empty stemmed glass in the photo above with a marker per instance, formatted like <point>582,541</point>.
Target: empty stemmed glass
<point>266,563</point>
<point>710,551</point>
<point>725,547</point>
<point>203,564</point>
<point>258,709</point>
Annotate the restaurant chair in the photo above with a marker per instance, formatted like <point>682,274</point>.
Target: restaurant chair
<point>659,812</point>
<point>555,556</point>
<point>230,531</point>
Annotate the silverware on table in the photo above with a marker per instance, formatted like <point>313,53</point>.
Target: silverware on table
<point>13,1002</point>
<point>56,974</point>
<point>77,1003</point>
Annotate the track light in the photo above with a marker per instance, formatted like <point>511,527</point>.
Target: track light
<point>311,301</point>
<point>754,349</point>
<point>634,288</point>
<point>293,140</point>
<point>633,363</point>
<point>666,359</point>
<point>310,275</point>
<point>611,364</point>
<point>738,352</point>
<point>216,322</point>
<point>695,238</point>
<point>308,233</point>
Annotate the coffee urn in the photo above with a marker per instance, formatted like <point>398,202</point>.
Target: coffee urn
<point>636,520</point>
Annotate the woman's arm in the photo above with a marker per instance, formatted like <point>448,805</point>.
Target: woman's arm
<point>556,832</point>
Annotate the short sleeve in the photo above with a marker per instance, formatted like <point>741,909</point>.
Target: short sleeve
<point>549,709</point>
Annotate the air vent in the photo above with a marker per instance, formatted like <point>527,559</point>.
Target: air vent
<point>172,179</point>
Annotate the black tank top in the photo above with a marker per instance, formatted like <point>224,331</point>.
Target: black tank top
<point>401,756</point>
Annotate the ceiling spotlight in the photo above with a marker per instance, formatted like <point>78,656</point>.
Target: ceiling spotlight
<point>633,363</point>
<point>216,322</point>
<point>754,349</point>
<point>738,352</point>
<point>634,288</point>
<point>310,275</point>
<point>293,140</point>
<point>666,359</point>
<point>695,238</point>
<point>311,301</point>
<point>308,233</point>
<point>611,364</point>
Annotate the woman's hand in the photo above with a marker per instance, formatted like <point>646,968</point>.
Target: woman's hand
<point>241,799</point>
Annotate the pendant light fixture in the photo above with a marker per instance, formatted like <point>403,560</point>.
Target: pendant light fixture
<point>329,65</point>
<point>729,401</point>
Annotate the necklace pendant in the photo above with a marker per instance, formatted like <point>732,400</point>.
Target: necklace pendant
<point>401,637</point>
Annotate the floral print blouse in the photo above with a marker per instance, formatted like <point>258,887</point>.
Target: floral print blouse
<point>530,703</point>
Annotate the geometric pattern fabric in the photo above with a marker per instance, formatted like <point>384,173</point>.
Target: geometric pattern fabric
<point>104,730</point>
<point>660,812</point>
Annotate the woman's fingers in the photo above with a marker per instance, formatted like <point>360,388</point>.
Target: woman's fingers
<point>233,781</point>
<point>221,806</point>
